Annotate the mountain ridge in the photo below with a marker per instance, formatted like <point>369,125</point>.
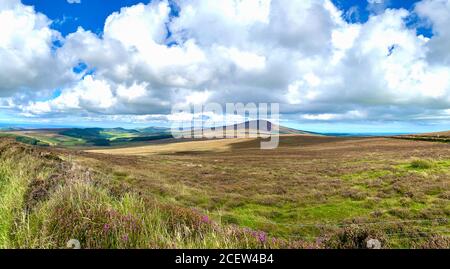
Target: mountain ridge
<point>253,127</point>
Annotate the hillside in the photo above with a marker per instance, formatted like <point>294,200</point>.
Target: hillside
<point>120,137</point>
<point>182,146</point>
<point>437,134</point>
<point>246,129</point>
<point>311,187</point>
<point>47,200</point>
<point>86,137</point>
<point>311,192</point>
<point>431,137</point>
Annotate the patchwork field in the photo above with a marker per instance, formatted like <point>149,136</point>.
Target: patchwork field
<point>87,137</point>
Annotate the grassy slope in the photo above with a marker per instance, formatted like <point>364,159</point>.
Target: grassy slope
<point>307,189</point>
<point>79,138</point>
<point>443,137</point>
<point>46,201</point>
<point>45,138</point>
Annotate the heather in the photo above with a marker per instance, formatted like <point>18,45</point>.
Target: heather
<point>46,201</point>
<point>303,197</point>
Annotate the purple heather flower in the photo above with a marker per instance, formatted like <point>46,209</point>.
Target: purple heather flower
<point>106,227</point>
<point>262,237</point>
<point>205,219</point>
<point>125,238</point>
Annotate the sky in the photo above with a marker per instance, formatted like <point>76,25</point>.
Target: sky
<point>332,65</point>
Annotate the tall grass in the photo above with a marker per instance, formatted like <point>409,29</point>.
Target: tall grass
<point>45,202</point>
<point>16,171</point>
<point>11,191</point>
<point>421,164</point>
<point>89,214</point>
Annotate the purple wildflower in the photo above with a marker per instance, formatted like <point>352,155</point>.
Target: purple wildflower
<point>262,237</point>
<point>106,228</point>
<point>125,238</point>
<point>205,219</point>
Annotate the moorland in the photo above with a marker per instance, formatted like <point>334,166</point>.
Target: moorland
<point>311,192</point>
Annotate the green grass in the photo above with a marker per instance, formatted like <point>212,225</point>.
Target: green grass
<point>14,179</point>
<point>442,164</point>
<point>421,164</point>
<point>334,211</point>
<point>11,192</point>
<point>425,165</point>
<point>97,220</point>
<point>373,174</point>
<point>27,139</point>
<point>289,218</point>
<point>117,135</point>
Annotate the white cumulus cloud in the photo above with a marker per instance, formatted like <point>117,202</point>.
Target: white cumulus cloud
<point>300,53</point>
<point>27,58</point>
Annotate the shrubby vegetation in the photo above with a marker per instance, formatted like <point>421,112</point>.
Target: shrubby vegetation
<point>31,141</point>
<point>48,198</point>
<point>45,202</point>
<point>421,164</point>
<point>107,137</point>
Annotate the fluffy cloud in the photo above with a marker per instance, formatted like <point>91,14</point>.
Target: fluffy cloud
<point>437,14</point>
<point>27,59</point>
<point>74,1</point>
<point>302,54</point>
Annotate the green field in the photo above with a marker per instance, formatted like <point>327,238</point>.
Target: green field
<point>86,137</point>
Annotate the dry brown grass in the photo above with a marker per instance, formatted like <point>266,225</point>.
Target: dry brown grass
<point>447,134</point>
<point>194,146</point>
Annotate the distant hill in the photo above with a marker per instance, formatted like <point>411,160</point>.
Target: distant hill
<point>249,128</point>
<point>85,137</point>
<point>438,134</point>
<point>431,137</point>
<point>121,130</point>
<point>153,130</point>
<point>105,137</point>
<point>11,129</point>
<point>111,136</point>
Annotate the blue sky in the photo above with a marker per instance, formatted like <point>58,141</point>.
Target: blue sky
<point>360,11</point>
<point>90,14</point>
<point>352,74</point>
<point>364,8</point>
